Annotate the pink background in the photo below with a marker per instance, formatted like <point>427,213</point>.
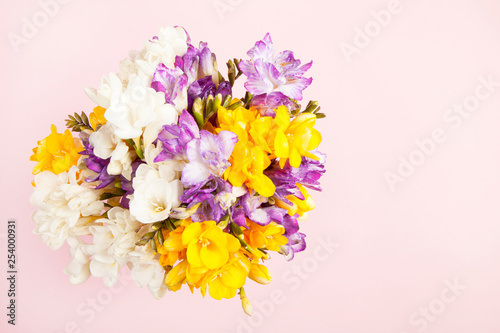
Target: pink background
<point>395,249</point>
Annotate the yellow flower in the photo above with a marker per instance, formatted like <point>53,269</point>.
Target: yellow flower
<point>207,245</point>
<point>269,236</point>
<point>298,206</point>
<point>251,154</point>
<point>260,274</point>
<point>177,276</point>
<point>261,139</point>
<point>97,117</point>
<point>172,248</point>
<point>294,139</point>
<point>225,281</point>
<point>57,152</point>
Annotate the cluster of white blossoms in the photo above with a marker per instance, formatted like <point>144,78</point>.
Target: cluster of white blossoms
<point>71,208</point>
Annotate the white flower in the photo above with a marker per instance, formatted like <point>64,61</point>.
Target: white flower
<point>134,108</point>
<point>63,203</point>
<point>176,165</point>
<point>107,145</point>
<point>103,263</point>
<point>112,243</point>
<point>166,115</point>
<point>169,43</point>
<point>109,86</point>
<point>123,226</point>
<point>79,267</point>
<point>147,271</point>
<point>156,192</point>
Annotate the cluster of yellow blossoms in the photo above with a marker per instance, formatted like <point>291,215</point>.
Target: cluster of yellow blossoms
<point>261,139</point>
<point>58,152</point>
<point>204,256</point>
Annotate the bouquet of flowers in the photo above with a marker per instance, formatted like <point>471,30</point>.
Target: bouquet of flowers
<point>175,178</point>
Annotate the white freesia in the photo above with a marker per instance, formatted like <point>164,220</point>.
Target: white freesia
<point>62,202</point>
<point>156,192</point>
<point>134,108</point>
<point>107,145</point>
<point>166,115</point>
<point>79,267</point>
<point>169,43</point>
<point>147,271</point>
<point>176,165</point>
<point>109,86</point>
<point>112,243</point>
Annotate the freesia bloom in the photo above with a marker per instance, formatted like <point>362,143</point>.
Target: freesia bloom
<point>296,138</point>
<point>225,281</point>
<point>267,72</point>
<point>156,192</point>
<point>250,155</point>
<point>63,205</point>
<point>268,237</point>
<point>57,152</point>
<point>96,118</point>
<point>207,245</point>
<point>208,156</point>
<point>173,83</point>
<point>107,145</point>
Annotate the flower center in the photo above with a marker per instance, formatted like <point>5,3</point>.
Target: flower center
<point>204,242</point>
<point>158,208</point>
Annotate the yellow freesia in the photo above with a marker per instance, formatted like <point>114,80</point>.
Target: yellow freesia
<point>207,245</point>
<point>250,156</point>
<point>269,236</point>
<point>57,153</point>
<point>176,277</point>
<point>294,139</point>
<point>260,274</point>
<point>262,139</point>
<point>97,117</point>
<point>225,281</point>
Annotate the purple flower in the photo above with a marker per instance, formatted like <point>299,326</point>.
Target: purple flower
<point>211,194</point>
<point>267,72</point>
<point>96,164</point>
<point>251,207</point>
<point>99,166</point>
<point>296,243</point>
<point>296,240</point>
<point>197,63</point>
<point>126,185</point>
<point>267,103</point>
<point>207,156</point>
<point>204,87</point>
<point>172,82</point>
<point>175,138</point>
<point>308,174</point>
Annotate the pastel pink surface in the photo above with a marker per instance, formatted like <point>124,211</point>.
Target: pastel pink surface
<point>394,249</point>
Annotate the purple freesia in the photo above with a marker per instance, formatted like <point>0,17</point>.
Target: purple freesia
<point>267,103</point>
<point>126,185</point>
<point>307,174</point>
<point>96,164</point>
<point>212,194</point>
<point>296,243</point>
<point>172,82</point>
<point>296,240</point>
<point>207,156</point>
<point>197,63</point>
<point>204,87</point>
<point>251,207</point>
<point>267,72</point>
<point>175,138</point>
<point>99,166</point>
